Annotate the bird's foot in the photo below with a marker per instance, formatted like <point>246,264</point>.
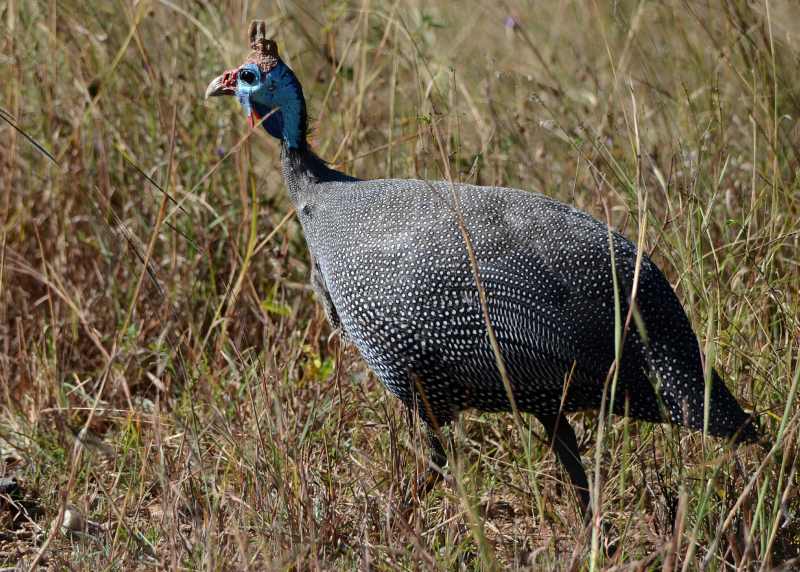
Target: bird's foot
<point>608,533</point>
<point>427,481</point>
<point>419,490</point>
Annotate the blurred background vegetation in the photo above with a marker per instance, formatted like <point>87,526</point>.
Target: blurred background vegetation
<point>165,372</point>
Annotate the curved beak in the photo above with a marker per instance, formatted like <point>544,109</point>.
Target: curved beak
<point>222,85</point>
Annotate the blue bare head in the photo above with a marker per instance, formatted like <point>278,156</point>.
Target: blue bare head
<point>267,88</point>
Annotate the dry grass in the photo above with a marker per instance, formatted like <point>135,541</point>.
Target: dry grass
<point>165,370</point>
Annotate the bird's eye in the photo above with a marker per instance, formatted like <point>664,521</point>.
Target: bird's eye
<point>247,76</point>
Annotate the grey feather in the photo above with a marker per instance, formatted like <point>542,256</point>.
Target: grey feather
<point>395,266</point>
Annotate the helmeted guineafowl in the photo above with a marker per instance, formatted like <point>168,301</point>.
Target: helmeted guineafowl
<point>391,262</point>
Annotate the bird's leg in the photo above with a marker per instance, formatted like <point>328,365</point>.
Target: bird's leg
<point>437,457</point>
<point>433,431</point>
<point>432,474</point>
<point>565,446</point>
<point>436,462</point>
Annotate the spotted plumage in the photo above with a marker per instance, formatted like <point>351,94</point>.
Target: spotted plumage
<point>391,265</point>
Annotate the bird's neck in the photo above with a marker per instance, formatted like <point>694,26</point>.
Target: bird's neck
<point>288,123</point>
<point>302,171</point>
<point>294,121</point>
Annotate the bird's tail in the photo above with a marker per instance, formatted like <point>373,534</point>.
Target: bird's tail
<point>728,419</point>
